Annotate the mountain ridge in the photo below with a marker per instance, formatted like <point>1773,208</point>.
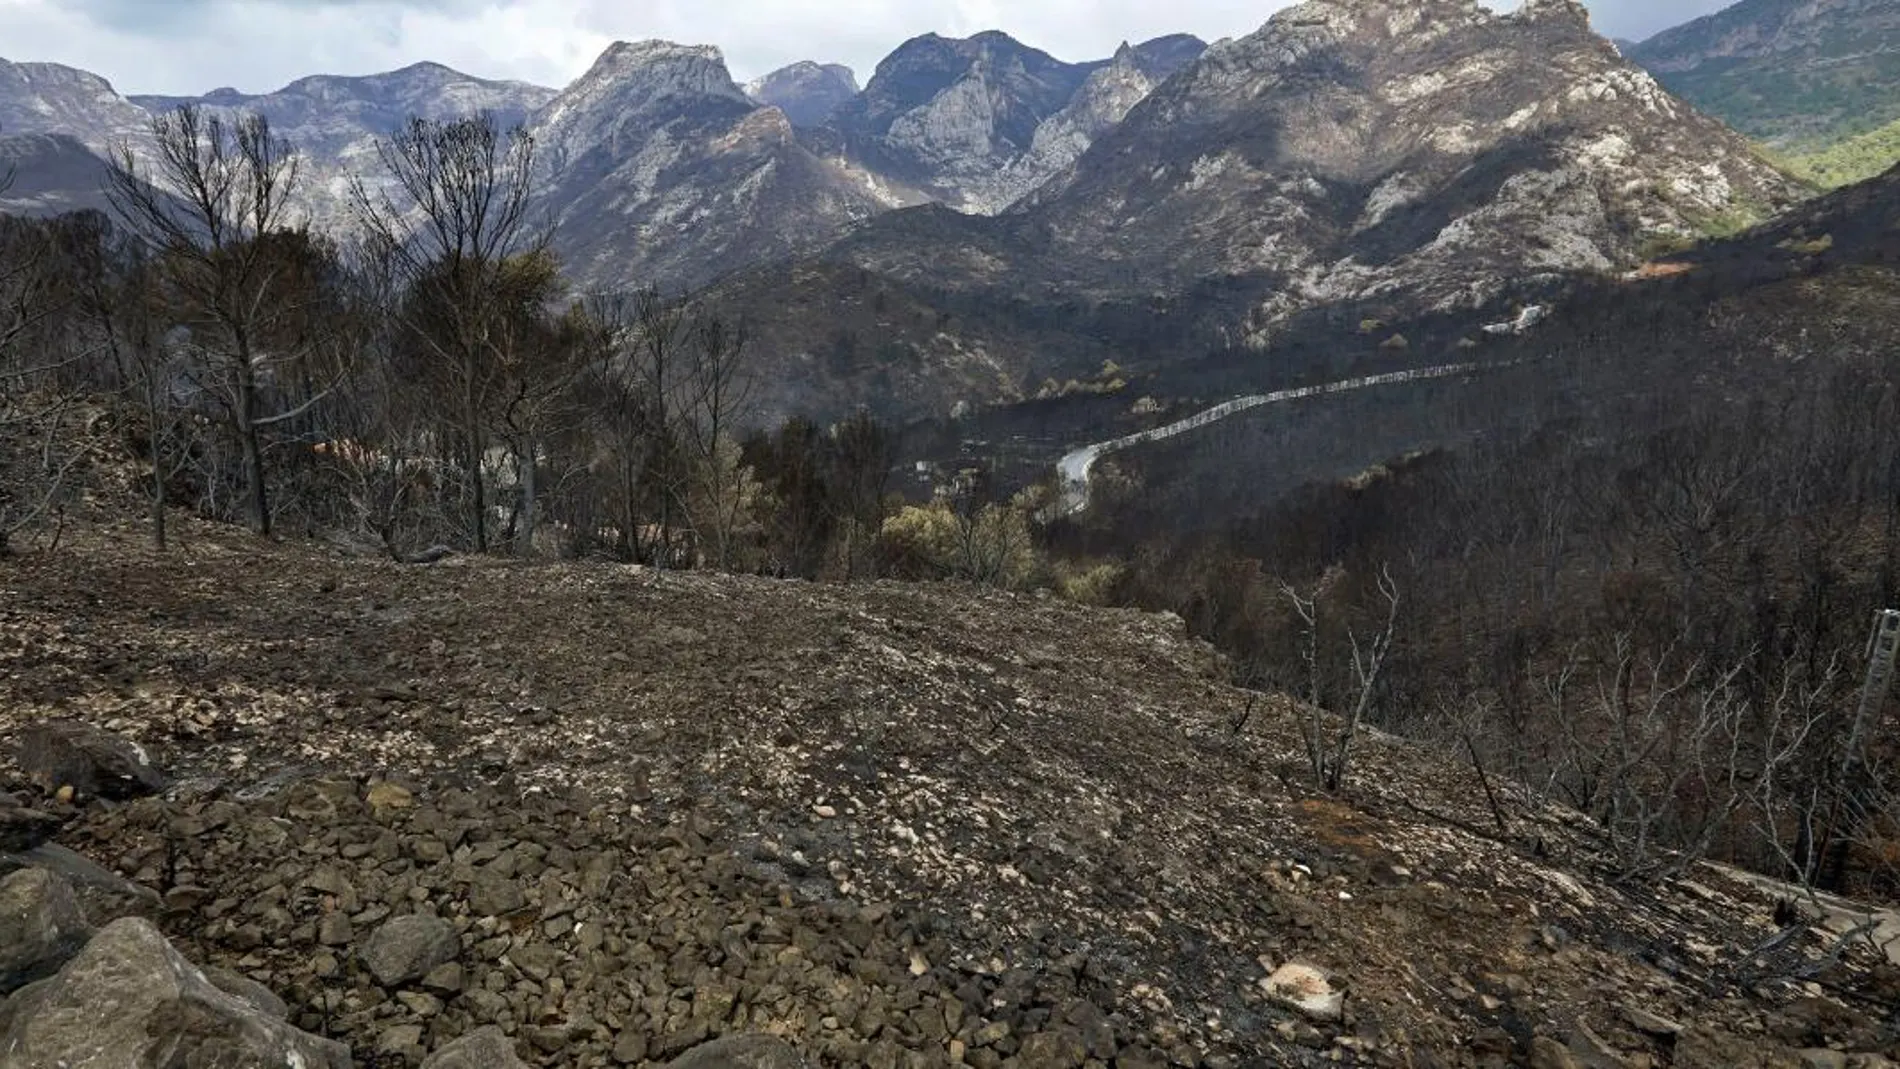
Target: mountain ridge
<point>1798,74</point>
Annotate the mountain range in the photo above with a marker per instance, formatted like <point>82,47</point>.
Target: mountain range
<point>981,216</point>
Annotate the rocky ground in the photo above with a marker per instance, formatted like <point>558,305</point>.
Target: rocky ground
<point>614,814</point>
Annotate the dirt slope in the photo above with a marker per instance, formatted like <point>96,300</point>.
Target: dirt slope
<point>899,824</point>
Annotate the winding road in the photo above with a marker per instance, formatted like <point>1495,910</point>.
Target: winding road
<point>1074,468</point>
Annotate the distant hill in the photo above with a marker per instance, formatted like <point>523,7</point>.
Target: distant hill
<point>1798,74</point>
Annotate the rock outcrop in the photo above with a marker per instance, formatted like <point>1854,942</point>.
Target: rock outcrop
<point>1110,92</point>
<point>662,171</point>
<point>980,122</point>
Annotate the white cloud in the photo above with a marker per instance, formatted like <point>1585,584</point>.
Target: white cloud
<point>189,46</point>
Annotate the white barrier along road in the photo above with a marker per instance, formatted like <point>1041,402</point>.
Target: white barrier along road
<point>1074,468</point>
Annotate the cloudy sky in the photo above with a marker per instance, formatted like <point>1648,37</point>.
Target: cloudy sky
<point>190,46</point>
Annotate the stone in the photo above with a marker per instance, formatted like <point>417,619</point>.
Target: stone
<point>484,1048</point>
<point>262,998</point>
<point>492,893</point>
<point>1649,1023</point>
<point>402,1041</point>
<point>1306,989</point>
<point>386,798</point>
<point>1547,1053</point>
<point>445,979</point>
<point>408,947</point>
<point>1822,1058</point>
<point>22,828</point>
<point>92,761</point>
<point>630,1047</point>
<point>1058,1048</point>
<point>104,896</point>
<point>129,999</point>
<point>330,882</point>
<point>741,1052</point>
<point>336,930</point>
<point>41,927</point>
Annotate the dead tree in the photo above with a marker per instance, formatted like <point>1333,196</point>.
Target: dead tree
<point>46,430</point>
<point>1329,748</point>
<point>207,210</point>
<point>718,389</point>
<point>451,217</point>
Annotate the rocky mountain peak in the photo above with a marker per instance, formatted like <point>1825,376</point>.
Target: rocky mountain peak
<point>951,115</point>
<point>806,92</point>
<point>1163,56</point>
<point>631,90</point>
<point>647,72</point>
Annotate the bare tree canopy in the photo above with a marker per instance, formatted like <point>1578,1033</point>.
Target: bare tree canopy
<point>452,218</point>
<point>214,211</point>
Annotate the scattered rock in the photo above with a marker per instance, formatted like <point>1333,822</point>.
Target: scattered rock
<point>741,1052</point>
<point>408,947</point>
<point>485,1048</point>
<point>41,927</point>
<point>1306,989</point>
<point>93,762</point>
<point>128,999</point>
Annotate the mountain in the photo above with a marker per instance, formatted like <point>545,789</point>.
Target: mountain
<point>330,115</point>
<point>950,115</point>
<point>1799,74</point>
<point>47,98</point>
<point>661,170</point>
<point>806,92</point>
<point>658,167</point>
<point>1398,156</point>
<point>335,121</point>
<point>1110,92</point>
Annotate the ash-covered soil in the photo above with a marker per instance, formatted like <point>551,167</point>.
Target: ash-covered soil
<point>900,825</point>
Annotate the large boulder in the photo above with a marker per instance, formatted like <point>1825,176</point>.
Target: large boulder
<point>92,761</point>
<point>484,1048</point>
<point>41,927</point>
<point>130,1001</point>
<point>407,948</point>
<point>741,1052</point>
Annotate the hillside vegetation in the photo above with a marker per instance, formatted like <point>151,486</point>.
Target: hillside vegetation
<point>1853,160</point>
